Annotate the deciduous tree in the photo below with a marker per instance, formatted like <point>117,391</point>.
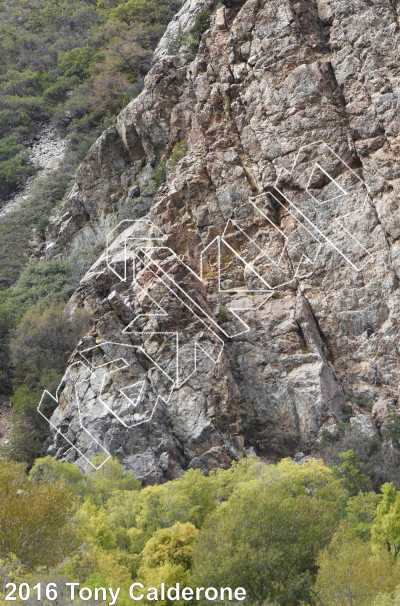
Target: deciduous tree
<point>267,536</point>
<point>351,574</point>
<point>35,518</point>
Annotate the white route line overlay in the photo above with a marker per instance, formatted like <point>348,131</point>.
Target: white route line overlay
<point>246,327</point>
<point>124,242</point>
<point>92,370</point>
<point>123,367</point>
<point>269,288</point>
<point>293,209</point>
<point>56,399</point>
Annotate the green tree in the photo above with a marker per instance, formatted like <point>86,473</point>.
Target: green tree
<point>160,175</point>
<point>94,528</point>
<point>150,516</point>
<point>168,557</point>
<point>78,62</point>
<point>35,519</point>
<point>267,536</point>
<point>145,11</point>
<point>176,43</point>
<point>385,532</point>
<point>41,227</point>
<point>40,285</point>
<point>361,512</point>
<point>127,100</point>
<point>96,567</point>
<point>7,323</point>
<point>40,348</point>
<point>135,516</point>
<point>391,429</point>
<point>350,473</point>
<point>201,25</point>
<point>13,164</point>
<point>50,470</point>
<point>9,148</point>
<point>351,574</point>
<point>111,477</point>
<point>45,340</point>
<point>191,498</point>
<point>122,507</point>
<point>29,428</point>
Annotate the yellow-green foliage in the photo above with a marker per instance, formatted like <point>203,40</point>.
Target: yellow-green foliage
<point>35,518</point>
<point>287,533</point>
<point>293,510</point>
<point>180,150</point>
<point>350,572</point>
<point>388,599</point>
<point>109,50</point>
<point>168,557</point>
<point>43,340</point>
<point>386,528</point>
<point>11,571</point>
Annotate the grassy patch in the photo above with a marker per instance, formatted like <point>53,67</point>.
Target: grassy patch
<point>20,225</point>
<point>365,403</point>
<point>222,315</point>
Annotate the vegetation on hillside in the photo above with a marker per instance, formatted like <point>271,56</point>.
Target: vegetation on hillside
<point>77,62</point>
<point>289,534</point>
<point>192,43</point>
<point>37,340</point>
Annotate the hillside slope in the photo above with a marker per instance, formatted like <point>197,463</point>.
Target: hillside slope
<point>66,70</point>
<point>269,250</point>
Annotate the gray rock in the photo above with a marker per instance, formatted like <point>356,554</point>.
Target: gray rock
<point>364,425</point>
<point>252,107</point>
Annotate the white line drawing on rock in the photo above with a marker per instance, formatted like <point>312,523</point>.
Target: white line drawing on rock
<point>113,404</point>
<point>277,263</point>
<point>183,297</point>
<point>131,248</point>
<point>119,248</point>
<point>338,235</point>
<point>125,240</point>
<point>134,418</point>
<point>209,326</point>
<point>221,240</point>
<point>56,399</point>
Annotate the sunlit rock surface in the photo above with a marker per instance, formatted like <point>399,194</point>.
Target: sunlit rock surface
<point>290,115</point>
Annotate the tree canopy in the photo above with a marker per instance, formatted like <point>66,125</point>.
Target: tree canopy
<point>289,534</point>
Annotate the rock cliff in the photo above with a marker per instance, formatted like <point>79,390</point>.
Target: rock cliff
<point>232,304</point>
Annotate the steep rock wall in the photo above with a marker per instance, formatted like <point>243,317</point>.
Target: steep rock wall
<point>309,254</point>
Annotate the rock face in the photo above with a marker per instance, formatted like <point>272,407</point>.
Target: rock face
<point>239,292</point>
<point>46,153</point>
<point>182,21</point>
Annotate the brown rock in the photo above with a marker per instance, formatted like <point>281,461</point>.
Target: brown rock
<point>268,84</point>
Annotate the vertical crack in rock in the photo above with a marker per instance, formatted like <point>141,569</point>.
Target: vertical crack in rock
<point>218,147</point>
